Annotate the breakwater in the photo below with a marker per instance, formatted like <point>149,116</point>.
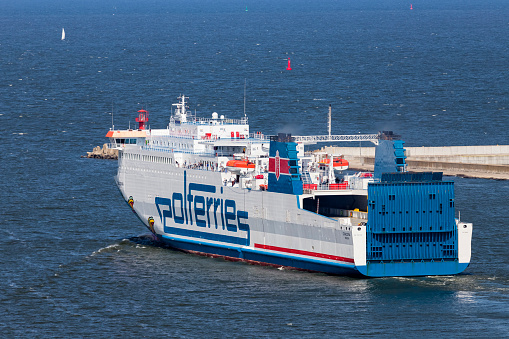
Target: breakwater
<point>102,153</point>
<point>490,161</point>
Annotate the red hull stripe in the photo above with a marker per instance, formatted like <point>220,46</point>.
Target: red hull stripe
<point>311,254</point>
<point>284,166</point>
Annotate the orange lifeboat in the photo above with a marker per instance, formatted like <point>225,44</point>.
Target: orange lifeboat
<point>238,165</point>
<point>338,163</point>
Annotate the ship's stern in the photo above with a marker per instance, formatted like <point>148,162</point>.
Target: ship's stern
<point>411,228</point>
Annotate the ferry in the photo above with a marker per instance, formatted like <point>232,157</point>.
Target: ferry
<point>209,186</point>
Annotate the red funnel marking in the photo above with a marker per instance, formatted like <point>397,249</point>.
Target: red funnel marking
<point>289,68</point>
<point>411,6</point>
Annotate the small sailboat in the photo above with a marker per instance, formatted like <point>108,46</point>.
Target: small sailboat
<point>63,34</point>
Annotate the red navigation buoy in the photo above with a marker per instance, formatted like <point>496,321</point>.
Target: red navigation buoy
<point>411,6</point>
<point>288,68</point>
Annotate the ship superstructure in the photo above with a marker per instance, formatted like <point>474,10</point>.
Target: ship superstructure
<point>210,186</point>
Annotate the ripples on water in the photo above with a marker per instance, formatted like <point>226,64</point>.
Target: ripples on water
<point>72,260</point>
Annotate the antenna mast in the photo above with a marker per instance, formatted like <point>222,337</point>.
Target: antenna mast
<point>244,97</point>
<point>329,125</point>
<point>112,125</point>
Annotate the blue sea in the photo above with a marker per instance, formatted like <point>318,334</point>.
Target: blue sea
<point>75,262</point>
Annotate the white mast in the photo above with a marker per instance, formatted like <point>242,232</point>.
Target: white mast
<point>112,125</point>
<point>180,111</point>
<point>329,125</point>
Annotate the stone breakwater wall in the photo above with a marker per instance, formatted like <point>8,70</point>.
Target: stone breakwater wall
<point>463,161</point>
<point>102,153</point>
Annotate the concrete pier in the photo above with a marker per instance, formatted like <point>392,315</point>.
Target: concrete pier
<point>465,161</point>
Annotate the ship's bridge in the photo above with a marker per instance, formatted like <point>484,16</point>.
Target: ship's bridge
<point>183,121</point>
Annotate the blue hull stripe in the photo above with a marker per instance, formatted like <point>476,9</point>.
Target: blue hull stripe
<point>371,270</point>
<point>207,236</point>
<point>260,256</point>
<point>406,269</point>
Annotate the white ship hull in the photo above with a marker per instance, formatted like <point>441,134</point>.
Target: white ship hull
<point>276,231</point>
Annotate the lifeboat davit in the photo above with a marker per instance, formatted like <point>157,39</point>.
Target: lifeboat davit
<point>239,165</point>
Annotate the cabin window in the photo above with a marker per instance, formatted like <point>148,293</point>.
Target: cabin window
<point>126,141</point>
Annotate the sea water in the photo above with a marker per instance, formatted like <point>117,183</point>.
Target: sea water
<point>75,260</point>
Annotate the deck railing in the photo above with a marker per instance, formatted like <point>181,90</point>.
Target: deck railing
<point>326,187</point>
<point>175,150</point>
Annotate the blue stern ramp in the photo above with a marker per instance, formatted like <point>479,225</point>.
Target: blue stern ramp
<point>411,228</point>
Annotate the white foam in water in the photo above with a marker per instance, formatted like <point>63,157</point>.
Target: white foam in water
<point>107,248</point>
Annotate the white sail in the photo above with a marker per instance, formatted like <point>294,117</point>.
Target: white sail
<point>63,34</point>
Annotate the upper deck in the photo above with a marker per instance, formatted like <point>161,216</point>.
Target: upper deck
<point>192,119</point>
